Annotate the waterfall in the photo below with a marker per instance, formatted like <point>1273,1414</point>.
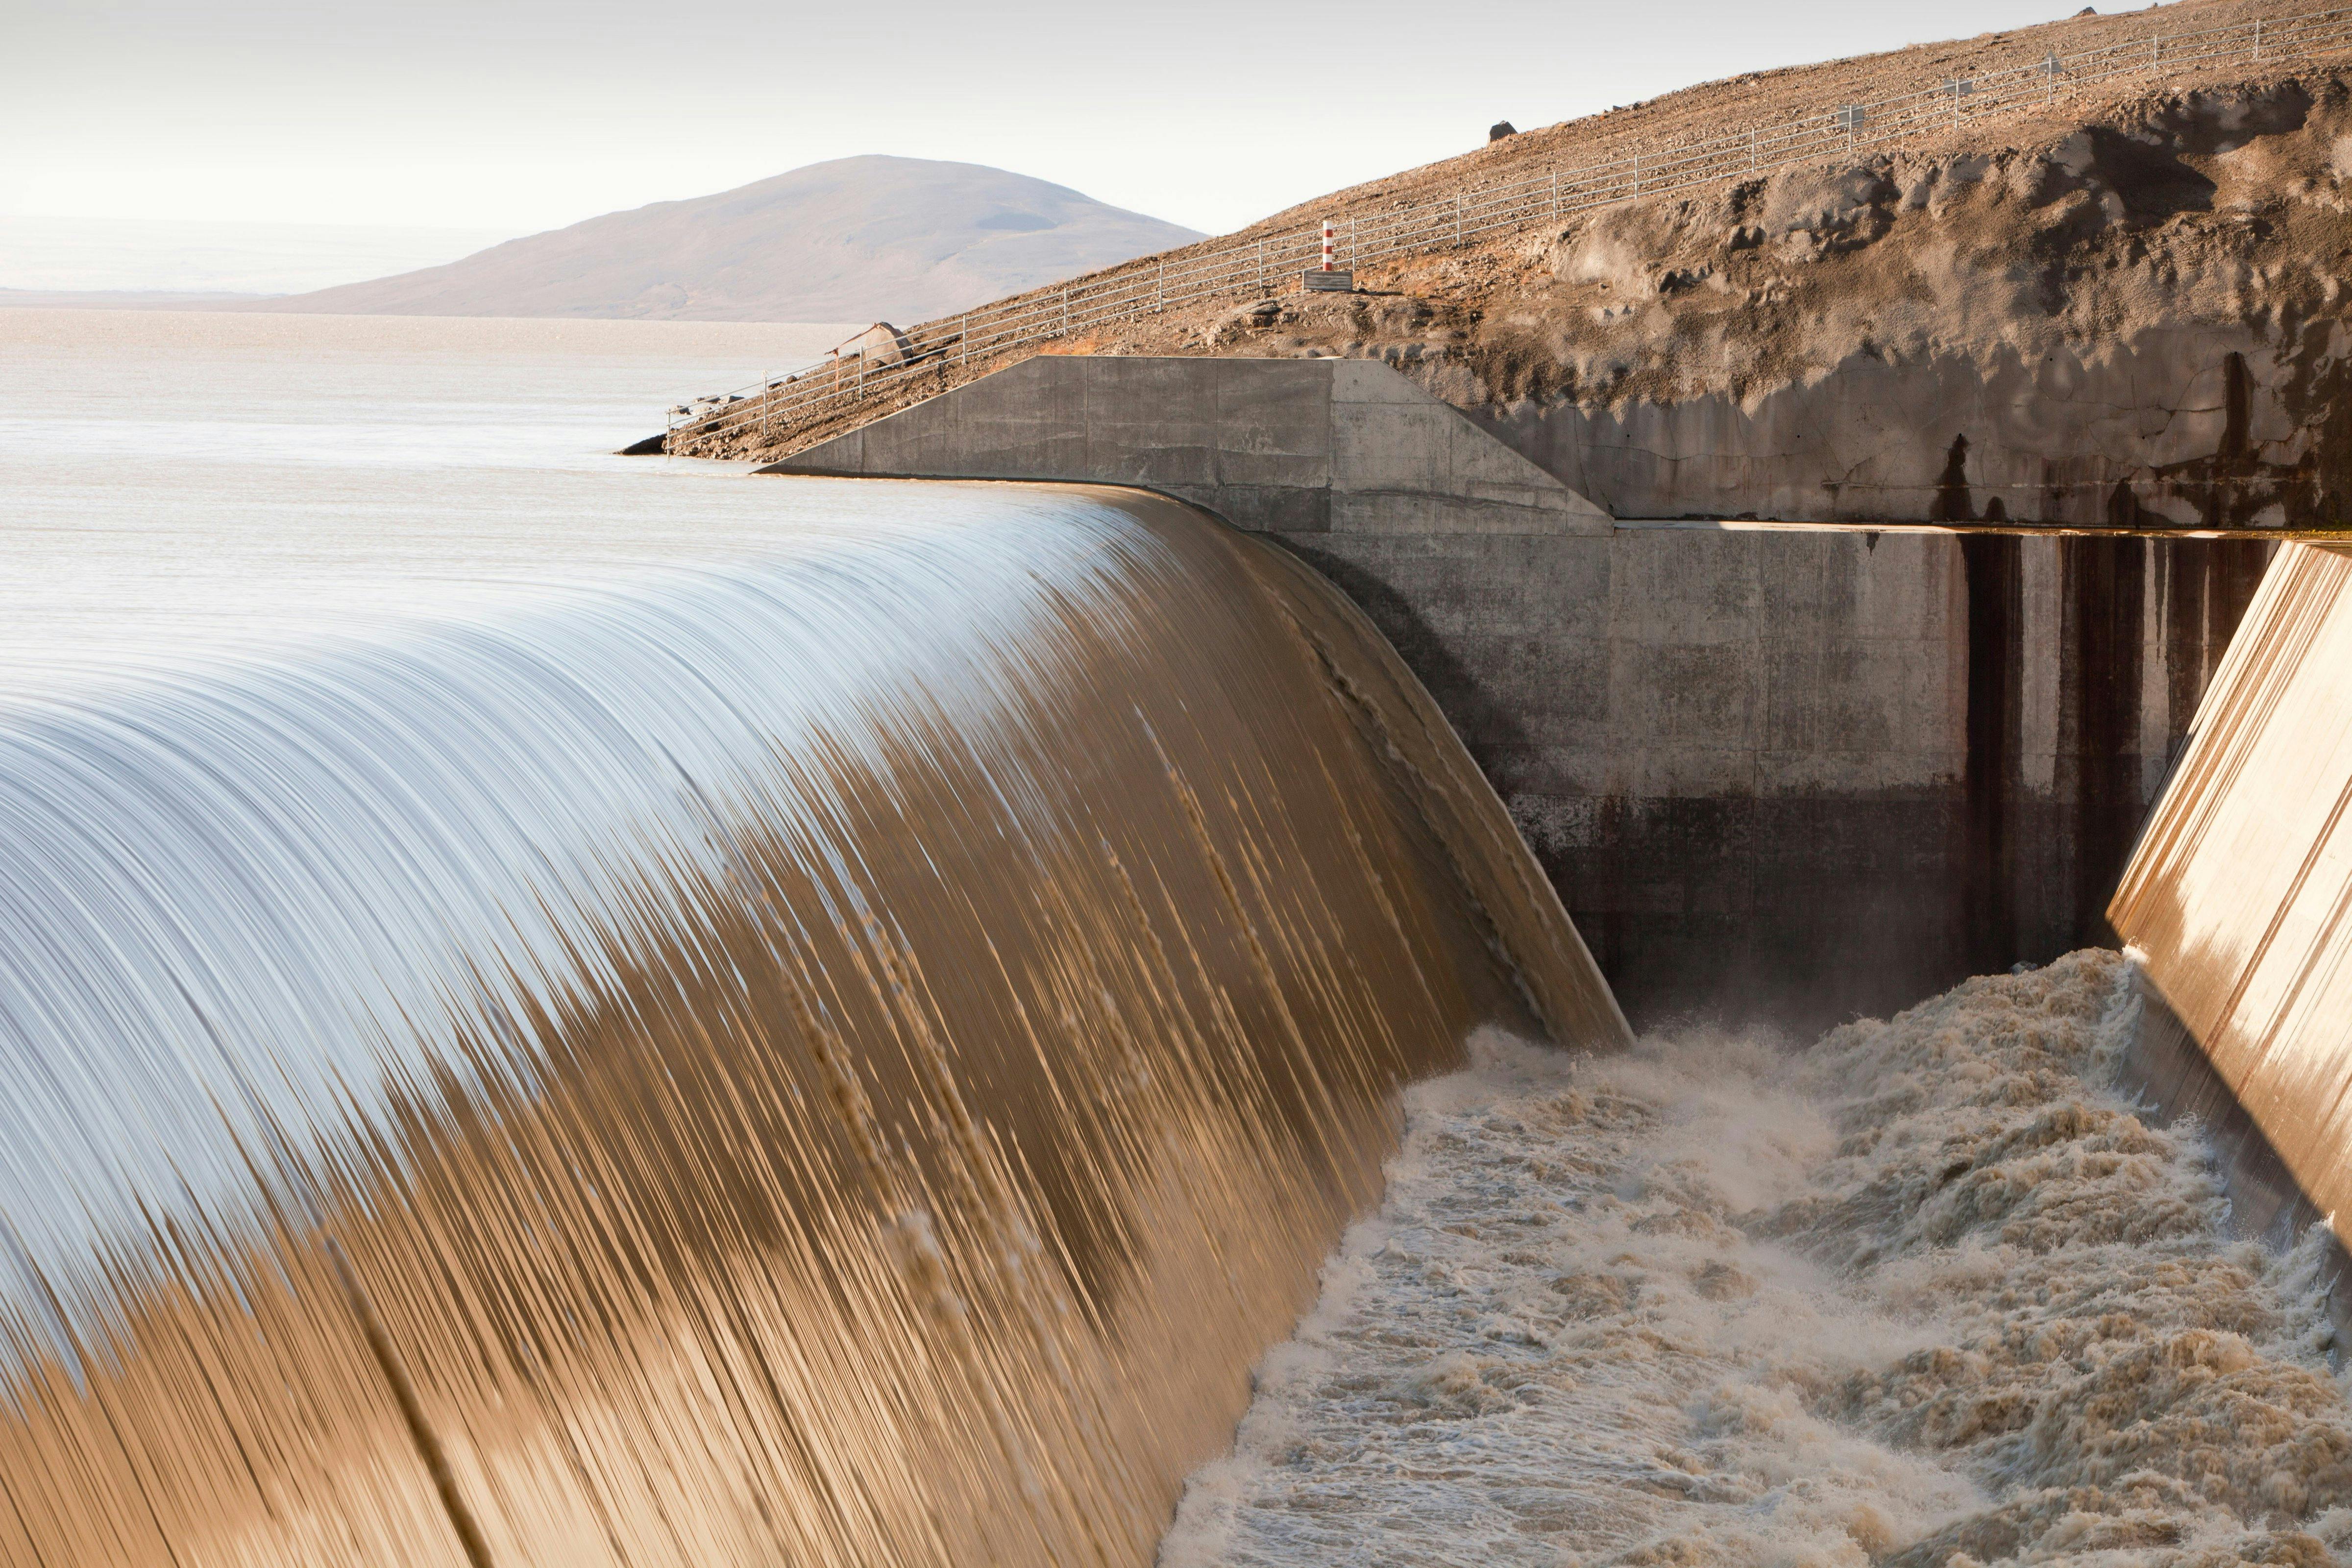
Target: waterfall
<point>840,1052</point>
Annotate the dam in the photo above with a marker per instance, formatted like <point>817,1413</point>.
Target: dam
<point>1259,955</point>
<point>1801,770</point>
<point>697,1162</point>
<point>543,1037</point>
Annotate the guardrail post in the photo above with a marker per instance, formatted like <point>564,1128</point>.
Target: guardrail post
<point>1066,310</point>
<point>2258,37</point>
<point>1755,161</point>
<point>1555,194</point>
<point>1159,289</point>
<point>2050,93</point>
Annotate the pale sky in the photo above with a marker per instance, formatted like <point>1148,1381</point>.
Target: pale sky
<point>506,117</point>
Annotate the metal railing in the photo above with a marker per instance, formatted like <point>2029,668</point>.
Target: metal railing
<point>926,357</point>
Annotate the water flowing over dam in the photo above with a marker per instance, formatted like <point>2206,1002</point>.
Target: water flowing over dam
<point>562,1009</point>
<point>838,1048</point>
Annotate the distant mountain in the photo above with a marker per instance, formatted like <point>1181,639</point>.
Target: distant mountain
<point>869,239</point>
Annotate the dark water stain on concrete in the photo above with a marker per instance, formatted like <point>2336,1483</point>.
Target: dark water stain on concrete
<point>1994,567</point>
<point>2102,644</point>
<point>2246,482</point>
<point>2140,621</point>
<point>2203,587</point>
<point>2227,487</point>
<point>1953,503</point>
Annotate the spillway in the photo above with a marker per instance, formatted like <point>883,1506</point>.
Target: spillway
<point>2237,898</point>
<point>837,1052</point>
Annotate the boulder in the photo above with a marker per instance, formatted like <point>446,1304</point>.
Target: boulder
<point>878,344</point>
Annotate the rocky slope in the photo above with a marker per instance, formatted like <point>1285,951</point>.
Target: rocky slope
<point>2136,316</point>
<point>854,240</point>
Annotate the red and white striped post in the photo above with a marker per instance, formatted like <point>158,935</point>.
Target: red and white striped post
<point>1328,279</point>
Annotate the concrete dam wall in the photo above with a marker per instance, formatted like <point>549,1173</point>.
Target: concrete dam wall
<point>2238,895</point>
<point>1810,770</point>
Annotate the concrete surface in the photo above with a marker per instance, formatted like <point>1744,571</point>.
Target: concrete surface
<point>1813,772</point>
<point>1273,445</point>
<point>2239,895</point>
<point>2188,425</point>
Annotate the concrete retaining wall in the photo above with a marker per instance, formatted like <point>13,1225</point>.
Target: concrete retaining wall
<point>1272,446</point>
<point>1816,771</point>
<point>2188,427</point>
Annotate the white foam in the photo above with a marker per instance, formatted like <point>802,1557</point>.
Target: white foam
<point>1928,1291</point>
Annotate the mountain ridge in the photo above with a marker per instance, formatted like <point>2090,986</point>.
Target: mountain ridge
<point>869,238</point>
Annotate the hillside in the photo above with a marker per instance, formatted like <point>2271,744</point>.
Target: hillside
<point>2122,305</point>
<point>2131,314</point>
<point>862,238</point>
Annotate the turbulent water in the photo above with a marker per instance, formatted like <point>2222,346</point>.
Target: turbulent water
<point>1928,1293</point>
<point>835,1043</point>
